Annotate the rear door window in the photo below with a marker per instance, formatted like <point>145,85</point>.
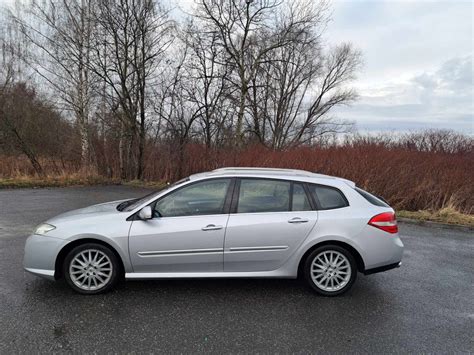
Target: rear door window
<point>261,195</point>
<point>300,201</point>
<point>327,197</point>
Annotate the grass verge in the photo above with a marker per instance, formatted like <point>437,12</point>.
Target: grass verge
<point>446,215</point>
<point>54,181</point>
<point>72,180</point>
<point>149,184</point>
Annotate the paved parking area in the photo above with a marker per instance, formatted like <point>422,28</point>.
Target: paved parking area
<point>425,306</point>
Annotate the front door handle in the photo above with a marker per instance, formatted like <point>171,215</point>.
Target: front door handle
<point>211,227</point>
<point>298,220</point>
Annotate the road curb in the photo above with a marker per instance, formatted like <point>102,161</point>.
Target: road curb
<point>435,224</point>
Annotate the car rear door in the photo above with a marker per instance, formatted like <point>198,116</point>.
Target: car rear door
<point>187,231</point>
<point>269,220</point>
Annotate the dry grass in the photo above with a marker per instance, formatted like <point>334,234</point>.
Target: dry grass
<point>158,185</point>
<point>76,179</point>
<point>55,181</point>
<point>446,215</point>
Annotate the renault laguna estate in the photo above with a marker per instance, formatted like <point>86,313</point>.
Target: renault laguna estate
<point>230,222</point>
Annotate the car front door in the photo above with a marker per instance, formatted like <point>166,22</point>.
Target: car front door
<point>187,231</point>
<point>270,219</point>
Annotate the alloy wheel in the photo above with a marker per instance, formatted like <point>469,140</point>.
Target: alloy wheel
<point>330,271</point>
<point>91,269</point>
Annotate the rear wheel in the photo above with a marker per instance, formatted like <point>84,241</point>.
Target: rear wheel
<point>91,268</point>
<point>330,270</point>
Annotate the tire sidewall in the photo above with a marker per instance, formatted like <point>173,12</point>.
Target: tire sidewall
<point>113,259</point>
<point>309,261</point>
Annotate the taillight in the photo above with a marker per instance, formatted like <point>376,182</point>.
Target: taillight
<point>385,221</point>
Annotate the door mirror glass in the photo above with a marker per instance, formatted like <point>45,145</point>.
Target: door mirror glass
<point>145,213</point>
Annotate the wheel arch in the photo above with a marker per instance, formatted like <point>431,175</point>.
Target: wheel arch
<point>58,273</point>
<point>348,247</point>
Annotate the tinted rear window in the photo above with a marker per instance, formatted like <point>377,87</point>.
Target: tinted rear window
<point>328,198</point>
<point>371,198</point>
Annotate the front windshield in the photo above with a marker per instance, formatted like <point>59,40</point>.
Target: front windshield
<point>130,205</point>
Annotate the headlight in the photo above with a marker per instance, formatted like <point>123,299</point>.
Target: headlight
<point>44,228</point>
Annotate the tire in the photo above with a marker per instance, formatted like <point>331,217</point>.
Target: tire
<point>91,269</point>
<point>324,276</point>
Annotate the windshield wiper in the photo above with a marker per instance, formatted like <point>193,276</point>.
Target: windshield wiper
<point>121,206</point>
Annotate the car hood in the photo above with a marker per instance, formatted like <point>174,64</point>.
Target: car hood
<point>94,210</point>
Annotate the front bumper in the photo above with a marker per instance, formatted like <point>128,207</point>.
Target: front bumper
<point>40,255</point>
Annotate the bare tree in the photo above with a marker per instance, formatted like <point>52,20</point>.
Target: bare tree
<point>130,39</point>
<point>31,126</point>
<point>239,71</point>
<point>295,91</point>
<point>274,51</point>
<point>209,89</point>
<point>178,113</point>
<point>11,123</point>
<point>239,26</point>
<point>60,34</point>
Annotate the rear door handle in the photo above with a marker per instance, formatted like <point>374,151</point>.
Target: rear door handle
<point>211,227</point>
<point>298,220</point>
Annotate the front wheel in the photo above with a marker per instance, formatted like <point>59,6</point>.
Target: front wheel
<point>330,270</point>
<point>91,268</point>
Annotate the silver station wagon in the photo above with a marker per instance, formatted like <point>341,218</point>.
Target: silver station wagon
<point>230,222</point>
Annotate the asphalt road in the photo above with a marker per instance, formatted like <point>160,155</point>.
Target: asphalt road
<point>425,306</point>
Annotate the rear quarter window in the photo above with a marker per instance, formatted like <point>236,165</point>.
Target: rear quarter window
<point>328,198</point>
<point>371,198</point>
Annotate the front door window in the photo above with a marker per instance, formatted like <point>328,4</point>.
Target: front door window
<point>202,198</point>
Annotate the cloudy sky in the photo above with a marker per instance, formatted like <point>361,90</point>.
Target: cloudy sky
<point>418,68</point>
<point>418,62</point>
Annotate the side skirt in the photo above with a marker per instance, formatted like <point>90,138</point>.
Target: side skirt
<point>197,275</point>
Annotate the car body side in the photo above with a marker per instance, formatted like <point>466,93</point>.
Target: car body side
<point>345,226</point>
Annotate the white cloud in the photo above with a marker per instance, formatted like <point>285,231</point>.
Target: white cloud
<point>442,98</point>
<point>418,63</point>
<point>400,38</point>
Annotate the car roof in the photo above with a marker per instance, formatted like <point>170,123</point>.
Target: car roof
<point>291,174</point>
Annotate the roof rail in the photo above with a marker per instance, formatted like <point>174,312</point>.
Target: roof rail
<point>276,171</point>
<point>269,171</point>
<point>256,169</point>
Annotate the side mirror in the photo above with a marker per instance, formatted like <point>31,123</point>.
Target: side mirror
<point>145,213</point>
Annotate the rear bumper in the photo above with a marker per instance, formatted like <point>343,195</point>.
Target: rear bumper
<point>382,268</point>
<point>379,249</point>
